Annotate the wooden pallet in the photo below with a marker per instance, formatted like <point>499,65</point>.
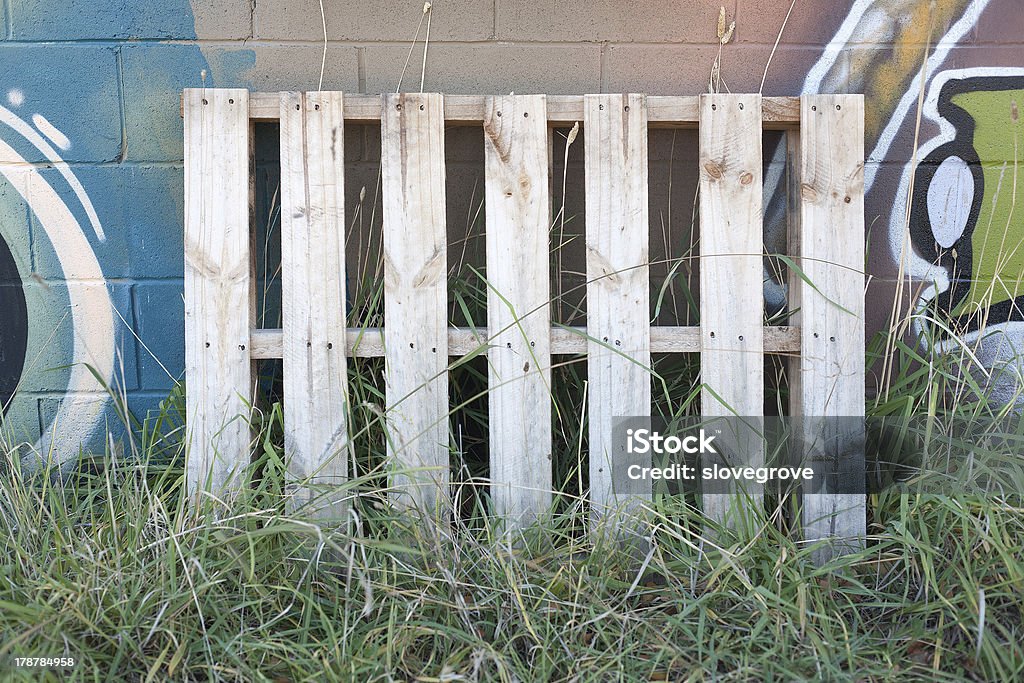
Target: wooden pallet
<point>826,339</point>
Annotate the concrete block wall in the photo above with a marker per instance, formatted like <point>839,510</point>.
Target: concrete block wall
<point>91,152</point>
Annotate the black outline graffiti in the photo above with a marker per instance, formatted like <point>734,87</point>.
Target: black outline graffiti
<point>959,267</point>
<point>14,329</point>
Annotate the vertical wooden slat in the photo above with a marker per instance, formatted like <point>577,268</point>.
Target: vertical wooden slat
<point>731,279</point>
<point>832,339</point>
<point>313,297</point>
<point>618,284</point>
<point>518,313</point>
<point>218,286</point>
<point>793,362</point>
<point>415,297</point>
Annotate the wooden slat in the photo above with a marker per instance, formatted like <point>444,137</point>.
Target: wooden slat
<point>415,298</point>
<point>731,274</point>
<point>218,287</point>
<point>793,282</point>
<point>518,313</point>
<point>618,283</point>
<point>369,342</point>
<point>663,110</point>
<point>832,258</point>
<point>313,298</point>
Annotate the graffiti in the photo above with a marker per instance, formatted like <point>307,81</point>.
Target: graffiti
<point>850,62</point>
<point>966,241</point>
<point>14,333</point>
<point>965,188</point>
<point>970,272</point>
<point>90,254</point>
<point>959,240</point>
<point>89,304</point>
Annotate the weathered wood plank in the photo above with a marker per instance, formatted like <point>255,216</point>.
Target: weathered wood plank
<point>518,312</point>
<point>793,281</point>
<point>313,299</point>
<point>369,342</point>
<point>731,279</point>
<point>832,258</point>
<point>415,298</point>
<point>662,110</point>
<point>218,287</point>
<point>618,282</point>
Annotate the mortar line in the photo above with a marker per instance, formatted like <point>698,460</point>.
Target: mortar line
<point>361,69</point>
<point>122,106</point>
<point>602,77</point>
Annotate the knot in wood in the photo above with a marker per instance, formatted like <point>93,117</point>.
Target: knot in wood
<point>714,169</point>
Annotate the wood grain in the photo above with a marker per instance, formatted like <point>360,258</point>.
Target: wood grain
<point>415,299</point>
<point>518,209</point>
<point>832,373</point>
<point>778,113</point>
<point>731,282</point>
<point>313,299</point>
<point>369,342</point>
<point>218,288</point>
<point>618,281</point>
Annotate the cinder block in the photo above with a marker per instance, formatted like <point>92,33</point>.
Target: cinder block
<point>881,296</point>
<point>495,68</point>
<point>812,22</point>
<point>817,22</point>
<point>294,67</point>
<point>461,20</point>
<point>66,99</point>
<point>15,230</point>
<point>999,23</point>
<point>222,19</point>
<point>651,21</point>
<point>145,405</point>
<point>880,204</point>
<point>787,70</point>
<point>95,426</point>
<point>1003,58</point>
<point>55,320</point>
<point>141,214</point>
<point>87,19</point>
<point>153,77</point>
<point>686,69</point>
<point>160,314</point>
<point>658,70</point>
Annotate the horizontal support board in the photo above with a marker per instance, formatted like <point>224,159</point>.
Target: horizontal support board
<point>662,110</point>
<point>369,342</point>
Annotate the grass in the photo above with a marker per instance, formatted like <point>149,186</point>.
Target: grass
<point>114,569</point>
<point>108,562</point>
